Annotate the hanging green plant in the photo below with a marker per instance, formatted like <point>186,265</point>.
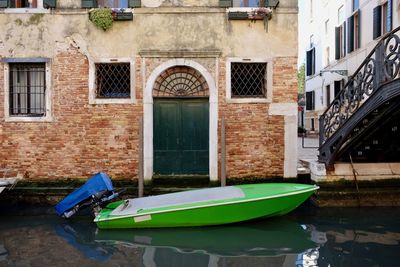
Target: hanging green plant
<point>102,18</point>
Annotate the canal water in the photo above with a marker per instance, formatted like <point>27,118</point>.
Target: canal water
<point>306,237</point>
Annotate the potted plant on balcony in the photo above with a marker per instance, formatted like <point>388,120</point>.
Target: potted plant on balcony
<point>102,18</point>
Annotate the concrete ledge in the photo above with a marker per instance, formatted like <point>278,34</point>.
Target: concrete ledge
<point>363,171</point>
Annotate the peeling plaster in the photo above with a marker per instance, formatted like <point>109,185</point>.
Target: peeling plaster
<point>32,35</point>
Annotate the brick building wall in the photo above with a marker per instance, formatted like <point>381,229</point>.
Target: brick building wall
<point>83,139</point>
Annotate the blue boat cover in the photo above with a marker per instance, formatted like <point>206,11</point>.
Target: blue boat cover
<point>99,182</point>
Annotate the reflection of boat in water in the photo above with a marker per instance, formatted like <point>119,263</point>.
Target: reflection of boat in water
<point>276,242</point>
<point>3,253</point>
<point>267,238</point>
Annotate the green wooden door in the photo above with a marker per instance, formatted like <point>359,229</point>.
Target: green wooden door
<point>181,136</point>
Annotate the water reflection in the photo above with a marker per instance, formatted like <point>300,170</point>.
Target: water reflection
<point>326,238</point>
<point>279,242</point>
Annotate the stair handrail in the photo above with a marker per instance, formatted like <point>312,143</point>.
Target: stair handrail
<point>369,76</point>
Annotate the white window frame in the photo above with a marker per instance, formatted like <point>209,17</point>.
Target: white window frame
<point>269,76</point>
<point>39,9</point>
<point>48,96</point>
<point>93,100</point>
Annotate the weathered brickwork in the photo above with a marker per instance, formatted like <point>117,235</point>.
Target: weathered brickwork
<point>285,80</point>
<point>254,139</point>
<point>82,139</point>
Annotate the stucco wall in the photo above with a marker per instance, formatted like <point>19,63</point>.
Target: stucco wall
<point>27,35</point>
<point>83,138</point>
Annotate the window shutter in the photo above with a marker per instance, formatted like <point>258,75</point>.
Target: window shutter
<point>337,42</point>
<point>309,100</point>
<point>89,3</point>
<point>350,34</point>
<point>135,3</point>
<point>271,3</point>
<point>344,38</point>
<point>313,61</point>
<point>225,3</point>
<point>313,100</point>
<point>359,28</point>
<point>337,87</point>
<point>49,3</point>
<point>4,3</point>
<point>309,62</point>
<point>377,21</point>
<point>389,16</point>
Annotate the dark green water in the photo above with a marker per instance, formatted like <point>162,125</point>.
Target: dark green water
<point>306,237</point>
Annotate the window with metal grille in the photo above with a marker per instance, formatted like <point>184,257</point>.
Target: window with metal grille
<point>113,80</point>
<point>27,89</point>
<point>180,81</point>
<point>248,80</point>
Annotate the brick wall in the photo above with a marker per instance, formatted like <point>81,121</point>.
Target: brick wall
<point>254,139</point>
<point>83,139</point>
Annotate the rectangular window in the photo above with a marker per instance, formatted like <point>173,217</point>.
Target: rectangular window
<point>312,124</point>
<point>356,4</point>
<point>340,41</point>
<point>113,80</point>
<point>337,87</point>
<point>27,85</point>
<point>310,100</point>
<point>248,80</point>
<point>328,95</point>
<point>354,34</point>
<point>384,15</point>
<point>248,3</point>
<point>113,3</point>
<point>23,3</point>
<point>310,61</point>
<point>382,19</point>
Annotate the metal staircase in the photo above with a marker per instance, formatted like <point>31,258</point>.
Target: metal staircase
<point>363,121</point>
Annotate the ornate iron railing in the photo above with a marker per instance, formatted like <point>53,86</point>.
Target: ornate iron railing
<point>381,66</point>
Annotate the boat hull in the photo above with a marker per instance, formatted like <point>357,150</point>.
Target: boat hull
<point>211,214</point>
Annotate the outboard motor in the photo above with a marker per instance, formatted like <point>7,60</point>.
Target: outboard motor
<point>95,193</point>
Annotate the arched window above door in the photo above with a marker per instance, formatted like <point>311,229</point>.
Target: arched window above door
<point>180,81</point>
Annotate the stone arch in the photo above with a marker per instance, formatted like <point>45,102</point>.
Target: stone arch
<point>148,114</point>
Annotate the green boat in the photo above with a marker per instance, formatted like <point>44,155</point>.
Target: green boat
<point>211,206</point>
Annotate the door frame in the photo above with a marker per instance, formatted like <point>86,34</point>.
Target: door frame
<point>148,116</point>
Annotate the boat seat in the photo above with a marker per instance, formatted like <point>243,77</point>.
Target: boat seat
<point>132,206</point>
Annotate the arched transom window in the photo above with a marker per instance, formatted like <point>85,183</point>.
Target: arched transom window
<point>180,81</point>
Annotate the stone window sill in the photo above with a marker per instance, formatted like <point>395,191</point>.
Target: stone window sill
<point>247,100</point>
<point>26,10</point>
<point>28,119</point>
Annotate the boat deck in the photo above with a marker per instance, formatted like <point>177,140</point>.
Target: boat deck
<point>7,182</point>
<point>133,206</point>
<point>207,196</point>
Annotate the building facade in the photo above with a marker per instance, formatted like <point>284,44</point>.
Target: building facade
<point>72,94</point>
<point>338,37</point>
